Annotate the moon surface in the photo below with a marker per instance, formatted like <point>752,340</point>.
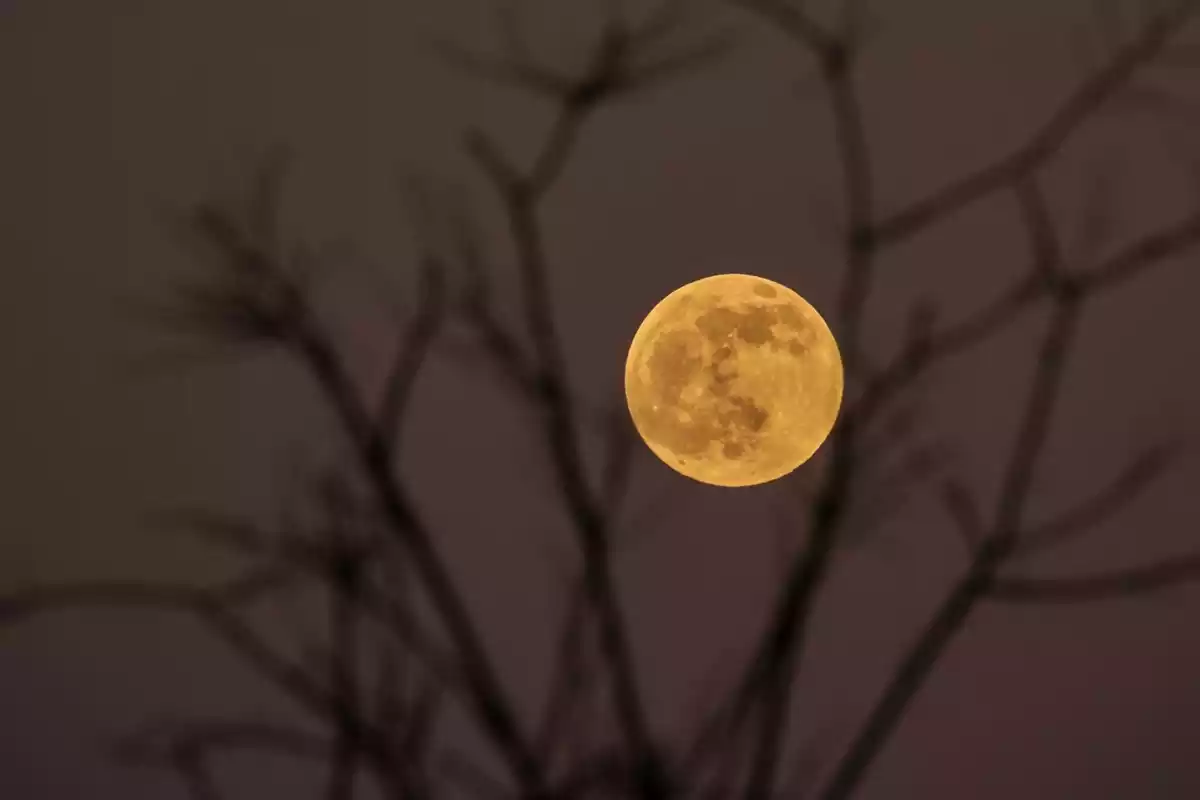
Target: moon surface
<point>733,380</point>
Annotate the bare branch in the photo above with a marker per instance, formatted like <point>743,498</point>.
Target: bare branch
<point>231,533</point>
<point>210,606</point>
<point>619,65</point>
<point>159,741</point>
<point>862,241</point>
<point>652,73</point>
<point>882,493</point>
<point>244,537</point>
<point>417,733</point>
<point>473,779</point>
<point>1045,249</point>
<point>660,24</point>
<point>188,747</point>
<point>477,303</point>
<point>1048,140</point>
<point>515,70</point>
<point>792,20</point>
<point>1003,539</point>
<point>306,340</point>
<point>1132,481</point>
<point>1147,251</point>
<point>964,597</point>
<point>18,605</point>
<point>918,338</point>
<point>287,558</point>
<point>257,301</point>
<point>608,76</point>
<point>564,134</point>
<point>907,679</point>
<point>620,440</point>
<point>1094,225</point>
<point>198,778</point>
<point>411,351</point>
<point>1132,582</point>
<point>965,513</point>
<point>950,340</point>
<point>487,694</point>
<point>345,639</point>
<point>769,677</point>
<point>494,164</point>
<point>570,680</point>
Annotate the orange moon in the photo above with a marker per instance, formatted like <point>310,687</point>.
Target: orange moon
<point>734,380</point>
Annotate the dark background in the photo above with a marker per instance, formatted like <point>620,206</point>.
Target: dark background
<point>114,113</point>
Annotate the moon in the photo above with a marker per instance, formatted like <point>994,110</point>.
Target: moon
<point>733,380</point>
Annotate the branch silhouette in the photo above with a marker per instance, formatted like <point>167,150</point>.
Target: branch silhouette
<point>398,642</point>
<point>189,748</point>
<point>1005,537</point>
<point>613,72</point>
<point>1135,581</point>
<point>1041,147</point>
<point>770,672</point>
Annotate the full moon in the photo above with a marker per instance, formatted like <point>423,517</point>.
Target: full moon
<point>733,380</point>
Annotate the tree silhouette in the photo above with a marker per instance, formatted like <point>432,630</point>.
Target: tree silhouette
<point>401,644</point>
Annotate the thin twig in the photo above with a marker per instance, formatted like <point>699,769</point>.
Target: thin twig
<point>1129,582</point>
<point>965,513</point>
<point>210,606</point>
<point>570,679</point>
<point>1154,248</point>
<point>289,557</point>
<point>159,741</point>
<point>792,20</point>
<point>1132,481</point>
<point>411,352</point>
<point>1046,254</point>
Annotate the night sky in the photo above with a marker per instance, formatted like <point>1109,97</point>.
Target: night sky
<point>117,114</point>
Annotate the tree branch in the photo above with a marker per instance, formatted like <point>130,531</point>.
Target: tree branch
<point>211,606</point>
<point>963,510</point>
<point>792,20</point>
<point>963,598</point>
<point>1132,481</point>
<point>590,521</point>
<point>187,747</point>
<point>488,696</point>
<point>774,668</point>
<point>1149,250</point>
<point>522,194</point>
<point>411,351</point>
<point>158,742</point>
<point>1045,249</point>
<point>1069,294</point>
<point>1048,140</point>
<point>345,657</point>
<point>290,556</point>
<point>1131,582</point>
<point>297,329</point>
